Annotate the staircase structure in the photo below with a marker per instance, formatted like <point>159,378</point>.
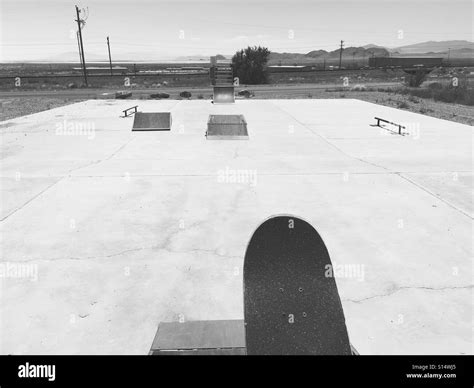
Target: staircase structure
<point>222,80</point>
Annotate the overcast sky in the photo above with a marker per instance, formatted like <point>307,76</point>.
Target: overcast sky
<point>158,29</point>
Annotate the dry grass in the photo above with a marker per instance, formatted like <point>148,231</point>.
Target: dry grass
<point>448,111</point>
<point>20,106</point>
<point>15,107</point>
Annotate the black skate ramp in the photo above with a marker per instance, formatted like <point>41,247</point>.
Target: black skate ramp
<point>227,127</point>
<point>152,121</point>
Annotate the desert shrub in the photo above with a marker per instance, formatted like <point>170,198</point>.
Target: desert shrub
<point>421,93</point>
<point>185,94</point>
<point>159,95</point>
<point>455,94</point>
<point>435,86</point>
<point>402,105</point>
<point>415,80</point>
<point>246,93</point>
<point>359,88</point>
<point>461,94</point>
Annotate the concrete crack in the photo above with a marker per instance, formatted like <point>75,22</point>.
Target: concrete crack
<point>119,149</point>
<point>31,199</point>
<point>333,145</point>
<point>120,253</point>
<point>434,195</point>
<point>398,289</point>
<point>47,188</point>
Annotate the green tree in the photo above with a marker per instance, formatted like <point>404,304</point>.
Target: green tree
<point>250,65</point>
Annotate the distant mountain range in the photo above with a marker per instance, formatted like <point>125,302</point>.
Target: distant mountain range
<point>456,49</point>
<point>435,47</point>
<point>329,56</point>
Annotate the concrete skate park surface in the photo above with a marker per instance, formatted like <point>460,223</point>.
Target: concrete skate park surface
<point>126,229</point>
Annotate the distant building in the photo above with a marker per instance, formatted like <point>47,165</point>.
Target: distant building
<point>402,62</point>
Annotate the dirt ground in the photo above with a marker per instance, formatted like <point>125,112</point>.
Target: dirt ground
<point>15,107</point>
<point>454,112</point>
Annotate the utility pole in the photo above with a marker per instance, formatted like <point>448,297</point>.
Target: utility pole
<point>110,58</point>
<point>340,55</point>
<point>79,21</point>
<point>79,48</point>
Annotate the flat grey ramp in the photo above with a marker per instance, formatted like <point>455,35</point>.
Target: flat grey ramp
<point>222,337</point>
<point>152,121</point>
<point>227,127</point>
<point>197,338</point>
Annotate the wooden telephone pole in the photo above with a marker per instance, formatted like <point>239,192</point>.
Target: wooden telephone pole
<point>79,48</point>
<point>110,58</point>
<point>340,55</point>
<point>79,21</point>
